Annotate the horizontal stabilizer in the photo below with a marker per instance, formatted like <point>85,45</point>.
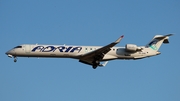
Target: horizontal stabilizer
<point>162,36</point>
<point>104,64</point>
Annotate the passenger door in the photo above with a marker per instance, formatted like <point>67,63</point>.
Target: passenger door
<point>27,48</point>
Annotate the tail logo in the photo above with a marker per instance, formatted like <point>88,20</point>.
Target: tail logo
<point>153,47</point>
<point>152,44</point>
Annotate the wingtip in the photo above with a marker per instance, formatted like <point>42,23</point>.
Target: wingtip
<point>118,40</point>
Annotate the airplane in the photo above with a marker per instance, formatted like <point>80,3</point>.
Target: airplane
<point>91,55</point>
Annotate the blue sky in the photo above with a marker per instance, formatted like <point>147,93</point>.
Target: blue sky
<point>84,22</point>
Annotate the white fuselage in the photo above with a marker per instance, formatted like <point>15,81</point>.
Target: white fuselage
<point>91,55</point>
<point>70,51</point>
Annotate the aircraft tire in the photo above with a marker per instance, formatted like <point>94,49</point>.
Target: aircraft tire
<point>94,66</point>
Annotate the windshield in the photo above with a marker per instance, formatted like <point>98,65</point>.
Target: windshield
<point>18,47</point>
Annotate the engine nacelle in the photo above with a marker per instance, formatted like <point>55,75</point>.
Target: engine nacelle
<point>131,48</point>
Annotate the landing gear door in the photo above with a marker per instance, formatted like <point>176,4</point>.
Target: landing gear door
<point>27,48</point>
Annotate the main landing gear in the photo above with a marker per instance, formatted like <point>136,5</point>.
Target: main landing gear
<point>95,64</point>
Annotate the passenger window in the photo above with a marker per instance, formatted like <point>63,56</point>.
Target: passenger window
<point>86,49</point>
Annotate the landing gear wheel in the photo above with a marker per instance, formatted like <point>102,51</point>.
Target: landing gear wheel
<point>15,60</point>
<point>94,66</point>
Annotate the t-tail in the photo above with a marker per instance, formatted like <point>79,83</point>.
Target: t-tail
<point>157,41</point>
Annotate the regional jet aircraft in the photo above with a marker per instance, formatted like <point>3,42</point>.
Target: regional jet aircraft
<point>91,55</point>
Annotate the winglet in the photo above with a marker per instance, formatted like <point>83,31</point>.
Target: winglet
<point>119,39</point>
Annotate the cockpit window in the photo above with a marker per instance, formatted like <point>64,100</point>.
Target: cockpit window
<point>18,47</point>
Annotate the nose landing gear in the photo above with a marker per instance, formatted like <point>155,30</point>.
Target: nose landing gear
<point>15,59</point>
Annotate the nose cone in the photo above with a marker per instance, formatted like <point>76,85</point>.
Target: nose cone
<point>10,52</point>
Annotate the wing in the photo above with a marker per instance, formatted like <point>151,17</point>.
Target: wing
<point>97,55</point>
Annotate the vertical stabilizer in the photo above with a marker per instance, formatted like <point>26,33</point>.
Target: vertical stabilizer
<point>157,41</point>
